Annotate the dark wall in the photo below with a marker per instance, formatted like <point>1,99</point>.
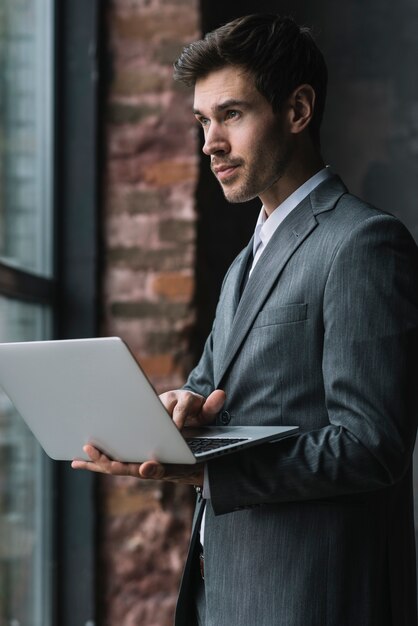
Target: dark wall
<point>370,131</point>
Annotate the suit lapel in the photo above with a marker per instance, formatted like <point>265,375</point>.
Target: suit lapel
<point>297,226</point>
<point>230,296</point>
<point>237,276</point>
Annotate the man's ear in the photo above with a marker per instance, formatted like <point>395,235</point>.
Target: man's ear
<point>301,108</point>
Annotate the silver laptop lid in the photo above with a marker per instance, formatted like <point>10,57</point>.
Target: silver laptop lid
<point>80,391</point>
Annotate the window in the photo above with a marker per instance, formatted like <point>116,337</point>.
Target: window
<point>26,269</point>
<point>48,289</point>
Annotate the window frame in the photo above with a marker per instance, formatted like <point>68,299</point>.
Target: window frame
<point>78,85</point>
<point>72,292</point>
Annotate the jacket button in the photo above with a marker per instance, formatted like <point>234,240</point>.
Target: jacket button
<point>225,418</point>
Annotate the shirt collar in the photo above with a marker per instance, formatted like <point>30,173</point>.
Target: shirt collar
<point>266,226</point>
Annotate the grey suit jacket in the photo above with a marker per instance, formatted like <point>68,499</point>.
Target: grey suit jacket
<point>317,529</point>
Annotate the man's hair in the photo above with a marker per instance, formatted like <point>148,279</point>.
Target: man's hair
<point>278,53</point>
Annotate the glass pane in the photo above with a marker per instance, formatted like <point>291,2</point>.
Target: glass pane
<point>25,134</point>
<point>25,493</point>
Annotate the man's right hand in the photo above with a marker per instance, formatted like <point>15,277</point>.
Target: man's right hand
<point>190,409</point>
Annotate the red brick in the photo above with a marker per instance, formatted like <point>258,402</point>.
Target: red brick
<point>174,286</point>
<point>142,259</point>
<point>174,23</point>
<point>137,81</point>
<point>158,365</point>
<point>170,172</point>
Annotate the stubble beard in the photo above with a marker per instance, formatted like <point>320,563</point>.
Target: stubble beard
<point>255,182</point>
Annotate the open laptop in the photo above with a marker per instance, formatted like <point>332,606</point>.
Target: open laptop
<point>79,391</point>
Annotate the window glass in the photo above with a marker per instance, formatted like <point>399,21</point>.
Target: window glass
<point>26,124</point>
<point>25,134</point>
<point>25,493</point>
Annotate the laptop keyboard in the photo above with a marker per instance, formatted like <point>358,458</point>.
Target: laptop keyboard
<point>199,445</point>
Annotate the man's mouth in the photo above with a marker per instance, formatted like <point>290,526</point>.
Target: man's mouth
<point>223,172</point>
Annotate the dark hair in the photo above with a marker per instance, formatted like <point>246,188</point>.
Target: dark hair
<point>279,54</point>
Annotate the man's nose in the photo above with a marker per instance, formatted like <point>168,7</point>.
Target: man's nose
<point>215,140</point>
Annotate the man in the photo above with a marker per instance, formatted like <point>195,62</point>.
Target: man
<point>317,326</point>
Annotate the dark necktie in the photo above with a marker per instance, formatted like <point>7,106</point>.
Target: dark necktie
<point>246,275</point>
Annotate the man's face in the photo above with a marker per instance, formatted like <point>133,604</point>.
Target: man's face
<point>249,147</point>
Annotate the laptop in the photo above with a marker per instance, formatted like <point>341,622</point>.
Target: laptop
<point>78,391</point>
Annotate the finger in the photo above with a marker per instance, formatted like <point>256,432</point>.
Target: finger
<point>213,404</point>
<point>151,470</point>
<point>89,466</point>
<point>79,464</point>
<point>189,405</point>
<point>95,454</point>
<point>100,463</point>
<point>182,405</point>
<point>169,400</point>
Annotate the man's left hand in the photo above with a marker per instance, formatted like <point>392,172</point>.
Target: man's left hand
<point>149,470</point>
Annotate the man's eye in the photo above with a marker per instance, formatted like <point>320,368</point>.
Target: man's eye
<point>230,115</point>
<point>203,121</point>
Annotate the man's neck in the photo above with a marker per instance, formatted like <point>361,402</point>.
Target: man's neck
<point>298,172</point>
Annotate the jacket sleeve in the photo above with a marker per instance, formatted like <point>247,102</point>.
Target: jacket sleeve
<point>200,379</point>
<point>369,367</point>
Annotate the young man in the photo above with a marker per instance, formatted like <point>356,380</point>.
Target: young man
<point>317,326</point>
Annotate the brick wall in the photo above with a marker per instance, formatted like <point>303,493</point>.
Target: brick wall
<point>149,240</point>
